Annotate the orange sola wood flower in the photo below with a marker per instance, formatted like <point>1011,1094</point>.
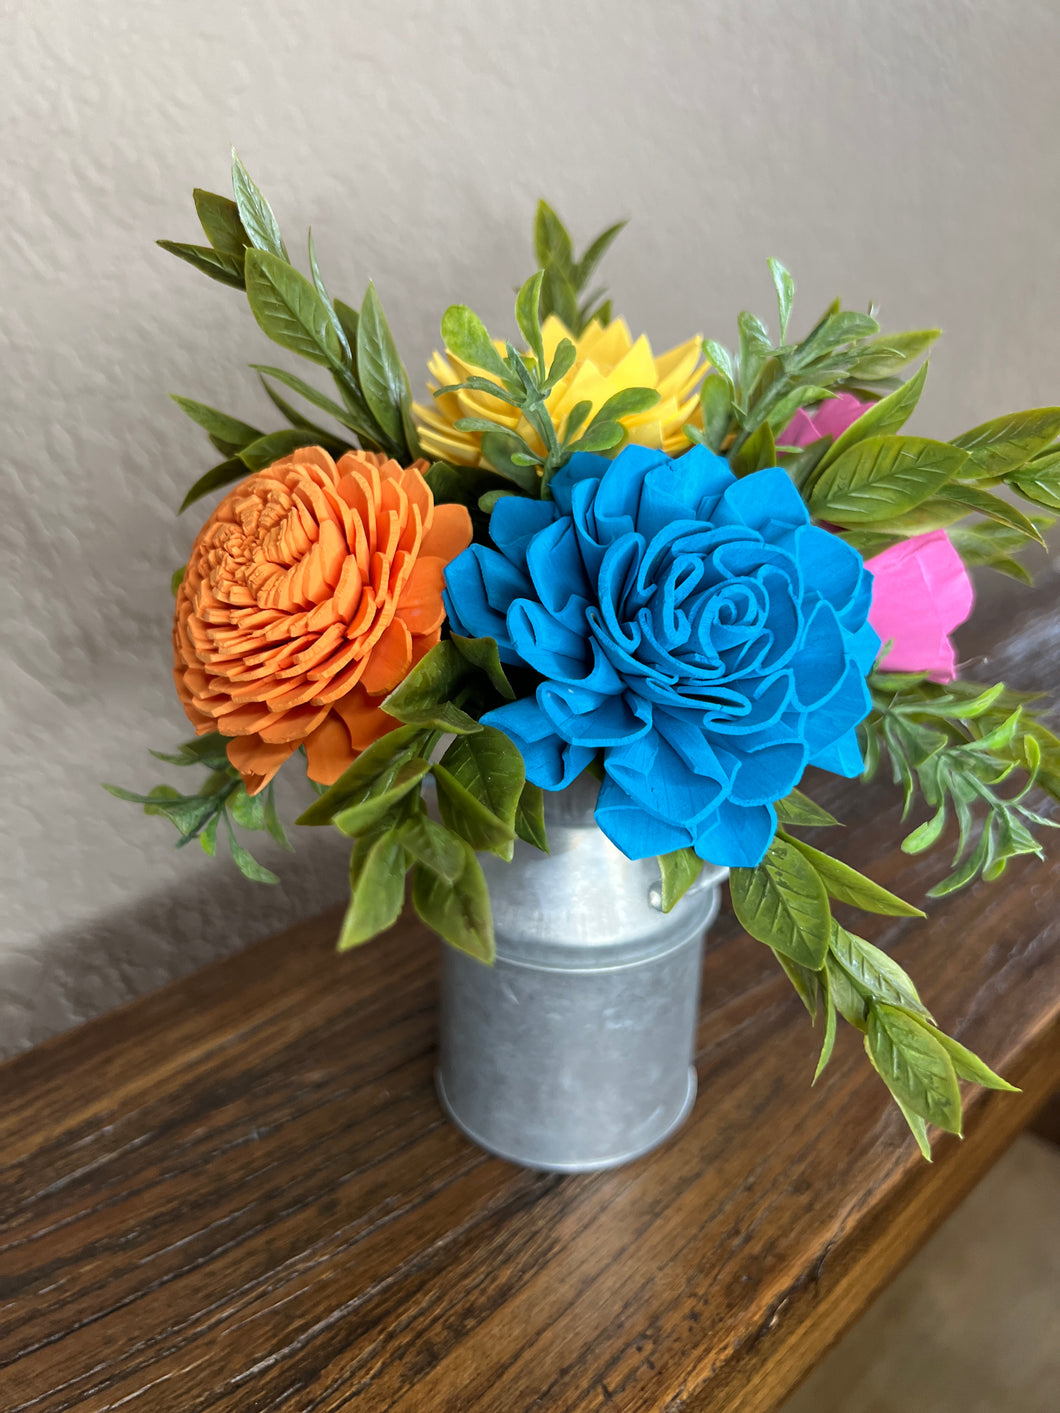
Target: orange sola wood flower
<point>311,591</point>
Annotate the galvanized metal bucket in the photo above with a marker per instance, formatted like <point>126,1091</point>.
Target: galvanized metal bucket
<point>573,1051</point>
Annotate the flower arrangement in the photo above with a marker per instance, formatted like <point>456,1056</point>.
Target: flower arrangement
<point>694,574</point>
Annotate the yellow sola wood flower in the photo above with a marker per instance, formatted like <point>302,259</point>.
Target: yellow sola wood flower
<point>608,360</point>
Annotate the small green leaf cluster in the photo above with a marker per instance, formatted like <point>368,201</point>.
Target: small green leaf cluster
<point>786,903</point>
<point>484,801</point>
<point>954,746</point>
<point>222,798</point>
<point>525,381</point>
<point>247,251</point>
<point>565,279</point>
<point>881,487</point>
<point>750,396</point>
<point>876,485</point>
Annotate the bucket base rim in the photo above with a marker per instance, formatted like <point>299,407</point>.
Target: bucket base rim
<point>589,1165</point>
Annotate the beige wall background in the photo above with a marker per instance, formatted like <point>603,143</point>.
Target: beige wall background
<point>903,152</point>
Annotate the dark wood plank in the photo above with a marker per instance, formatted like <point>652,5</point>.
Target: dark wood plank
<point>239,1193</point>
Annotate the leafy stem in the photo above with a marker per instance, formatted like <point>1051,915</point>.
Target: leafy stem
<point>955,746</point>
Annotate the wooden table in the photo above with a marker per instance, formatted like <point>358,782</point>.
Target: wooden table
<point>240,1194</point>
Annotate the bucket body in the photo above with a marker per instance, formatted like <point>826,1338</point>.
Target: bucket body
<point>574,1050</point>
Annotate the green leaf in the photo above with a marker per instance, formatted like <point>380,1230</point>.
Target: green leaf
<point>783,903</point>
<point>1039,481</point>
<point>719,357</point>
<point>349,318</point>
<point>480,780</point>
<point>248,811</point>
<point>755,348</point>
<point>176,579</point>
<point>498,447</point>
<point>882,357</point>
<point>836,328</point>
<point>917,1127</point>
<point>601,436</point>
<point>828,1043</point>
<point>883,418</point>
<point>461,485</point>
<point>968,1064</point>
<point>528,317</point>
<point>255,213</point>
<point>530,817</point>
<point>563,361</point>
<point>980,502</point>
<point>458,912</point>
<point>245,861</point>
<point>219,218</point>
<point>219,265</point>
<point>272,821</point>
<point>466,336</point>
<point>321,289</point>
<point>715,398</point>
<point>208,836</point>
<point>785,288</point>
<point>874,971</point>
<point>483,654</point>
<point>289,309</point>
<point>848,1000</point>
<point>914,1066</point>
<point>432,845</point>
<point>926,834</point>
<point>221,475</point>
<point>594,253</point>
<point>552,242</point>
<point>882,477</point>
<point>807,983</point>
<point>786,408</point>
<point>372,773</point>
<point>217,424</point>
<point>847,885</point>
<point>382,375</point>
<point>679,870</point>
<point>357,818</point>
<point>322,436</point>
<point>629,402</point>
<point>304,389</point>
<point>802,466</point>
<point>377,888</point>
<point>470,818</point>
<point>424,698</point>
<point>755,454</point>
<point>1001,445</point>
<point>209,750</point>
<point>797,810</point>
<point>248,865</point>
<point>267,450</point>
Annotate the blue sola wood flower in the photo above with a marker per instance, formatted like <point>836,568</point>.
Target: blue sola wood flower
<point>694,629</point>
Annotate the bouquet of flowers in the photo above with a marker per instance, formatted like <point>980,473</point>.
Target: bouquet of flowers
<point>693,574</point>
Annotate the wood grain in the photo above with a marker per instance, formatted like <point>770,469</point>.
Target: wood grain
<point>240,1194</point>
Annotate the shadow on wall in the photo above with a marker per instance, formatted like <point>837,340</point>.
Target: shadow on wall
<point>76,973</point>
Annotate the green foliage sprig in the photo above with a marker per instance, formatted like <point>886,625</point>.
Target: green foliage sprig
<point>786,903</point>
<point>955,746</point>
<point>357,348</point>
<point>221,799</point>
<point>749,397</point>
<point>484,800</point>
<point>525,381</point>
<point>876,485</point>
<point>565,279</point>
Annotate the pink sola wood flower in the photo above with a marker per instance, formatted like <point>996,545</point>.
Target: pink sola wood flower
<point>921,590</point>
<point>920,593</point>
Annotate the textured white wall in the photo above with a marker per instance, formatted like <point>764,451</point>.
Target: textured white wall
<point>902,152</point>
